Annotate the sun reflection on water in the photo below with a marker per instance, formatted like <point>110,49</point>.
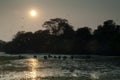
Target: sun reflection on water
<point>32,66</point>
<point>33,75</point>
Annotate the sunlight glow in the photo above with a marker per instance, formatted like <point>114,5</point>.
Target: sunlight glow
<point>33,13</point>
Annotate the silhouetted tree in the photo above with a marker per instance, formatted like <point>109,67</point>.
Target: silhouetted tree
<point>60,38</point>
<point>83,33</point>
<point>42,41</point>
<point>58,26</point>
<point>83,37</point>
<point>108,38</point>
<point>2,44</point>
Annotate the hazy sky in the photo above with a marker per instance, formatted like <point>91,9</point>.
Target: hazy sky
<point>14,14</point>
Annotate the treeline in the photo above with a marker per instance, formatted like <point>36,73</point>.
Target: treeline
<point>59,37</point>
<point>2,44</point>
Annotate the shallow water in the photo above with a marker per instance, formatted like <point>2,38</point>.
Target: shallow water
<point>54,69</point>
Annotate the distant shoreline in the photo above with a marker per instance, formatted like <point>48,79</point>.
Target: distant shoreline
<point>57,54</point>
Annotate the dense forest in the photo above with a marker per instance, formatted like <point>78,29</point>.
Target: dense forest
<point>59,37</point>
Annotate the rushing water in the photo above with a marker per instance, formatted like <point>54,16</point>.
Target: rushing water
<point>59,69</point>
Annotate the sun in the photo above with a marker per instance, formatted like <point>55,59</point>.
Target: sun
<point>33,13</point>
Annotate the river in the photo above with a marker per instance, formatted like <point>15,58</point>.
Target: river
<point>95,68</point>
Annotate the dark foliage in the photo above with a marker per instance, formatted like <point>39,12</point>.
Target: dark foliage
<point>2,44</point>
<point>60,38</point>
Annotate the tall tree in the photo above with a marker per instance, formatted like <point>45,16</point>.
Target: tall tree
<point>83,37</point>
<point>83,33</point>
<point>58,26</point>
<point>108,37</point>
